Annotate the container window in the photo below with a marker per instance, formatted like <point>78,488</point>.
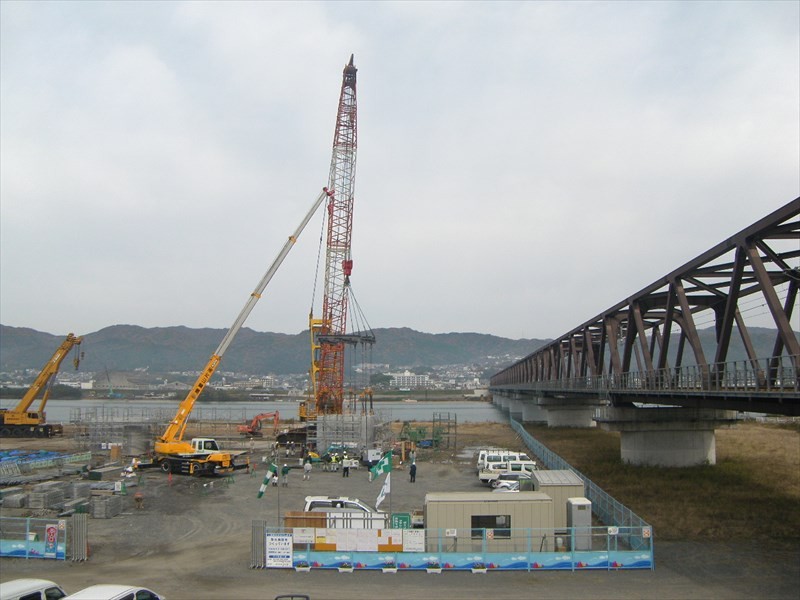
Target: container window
<point>499,524</point>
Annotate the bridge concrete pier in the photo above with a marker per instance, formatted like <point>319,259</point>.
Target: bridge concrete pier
<point>533,413</point>
<point>500,400</point>
<point>569,412</point>
<point>516,408</point>
<point>666,437</point>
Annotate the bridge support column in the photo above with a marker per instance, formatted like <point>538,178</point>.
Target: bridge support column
<point>666,437</point>
<point>516,408</point>
<point>533,413</point>
<point>500,400</point>
<point>569,412</point>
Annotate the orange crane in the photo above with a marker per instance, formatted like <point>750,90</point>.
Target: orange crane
<point>329,335</point>
<point>253,428</point>
<point>18,421</point>
<point>203,456</point>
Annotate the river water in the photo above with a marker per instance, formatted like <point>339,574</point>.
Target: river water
<point>66,411</point>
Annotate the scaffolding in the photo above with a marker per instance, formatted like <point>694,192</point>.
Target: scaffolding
<point>445,430</point>
<point>350,430</point>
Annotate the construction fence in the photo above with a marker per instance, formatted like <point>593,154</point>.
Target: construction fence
<point>54,538</point>
<point>440,550</point>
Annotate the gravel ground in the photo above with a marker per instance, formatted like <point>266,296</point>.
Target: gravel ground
<point>192,540</point>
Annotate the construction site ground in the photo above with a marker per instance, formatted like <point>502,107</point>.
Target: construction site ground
<point>192,539</point>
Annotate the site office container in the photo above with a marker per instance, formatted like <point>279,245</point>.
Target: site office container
<point>465,521</point>
<point>560,485</point>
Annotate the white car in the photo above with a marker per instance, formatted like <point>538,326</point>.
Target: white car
<point>107,591</point>
<point>507,486</point>
<point>336,503</point>
<point>31,589</point>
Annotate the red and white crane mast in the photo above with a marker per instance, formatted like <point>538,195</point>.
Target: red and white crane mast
<point>328,369</point>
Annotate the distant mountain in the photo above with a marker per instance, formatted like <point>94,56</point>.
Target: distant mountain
<point>166,349</point>
<point>170,349</point>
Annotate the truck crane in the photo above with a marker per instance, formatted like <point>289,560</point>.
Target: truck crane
<point>253,428</point>
<point>203,456</point>
<point>328,333</point>
<point>19,421</point>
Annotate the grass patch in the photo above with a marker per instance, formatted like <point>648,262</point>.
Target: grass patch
<point>752,493</point>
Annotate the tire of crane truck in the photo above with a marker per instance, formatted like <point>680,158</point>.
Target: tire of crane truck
<point>166,467</point>
<point>5,432</point>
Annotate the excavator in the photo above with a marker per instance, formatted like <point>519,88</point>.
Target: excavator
<point>253,428</point>
<point>19,421</point>
<point>203,456</point>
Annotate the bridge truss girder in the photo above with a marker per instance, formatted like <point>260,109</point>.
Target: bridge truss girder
<point>636,335</point>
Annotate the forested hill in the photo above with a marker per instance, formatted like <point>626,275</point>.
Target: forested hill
<point>168,349</point>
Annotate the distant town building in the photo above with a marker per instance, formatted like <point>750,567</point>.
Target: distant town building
<point>407,379</point>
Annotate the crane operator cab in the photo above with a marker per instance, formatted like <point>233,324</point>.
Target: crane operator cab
<point>205,445</point>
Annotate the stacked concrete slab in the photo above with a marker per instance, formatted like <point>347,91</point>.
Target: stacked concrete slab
<point>106,507</point>
<point>15,500</point>
<point>48,499</point>
<point>80,489</point>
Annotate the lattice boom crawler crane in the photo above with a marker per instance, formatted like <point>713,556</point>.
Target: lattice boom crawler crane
<point>328,333</point>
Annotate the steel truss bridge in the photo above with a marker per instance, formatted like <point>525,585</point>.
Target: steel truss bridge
<point>651,348</point>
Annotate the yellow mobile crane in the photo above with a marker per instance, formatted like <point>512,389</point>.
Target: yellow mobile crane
<point>203,456</point>
<point>18,421</point>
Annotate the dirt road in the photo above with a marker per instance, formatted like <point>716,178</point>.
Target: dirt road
<point>192,541</point>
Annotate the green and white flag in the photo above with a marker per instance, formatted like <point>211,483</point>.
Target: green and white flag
<point>385,490</point>
<point>271,472</point>
<point>384,465</point>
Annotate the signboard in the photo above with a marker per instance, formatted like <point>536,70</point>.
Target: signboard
<point>413,540</point>
<point>279,550</point>
<point>401,521</point>
<point>303,535</point>
<point>50,540</point>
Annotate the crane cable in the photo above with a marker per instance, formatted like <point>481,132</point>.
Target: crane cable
<point>319,255</point>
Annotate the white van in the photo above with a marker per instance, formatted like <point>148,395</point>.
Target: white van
<point>346,513</point>
<point>107,591</point>
<point>31,589</point>
<point>490,456</point>
<point>494,470</point>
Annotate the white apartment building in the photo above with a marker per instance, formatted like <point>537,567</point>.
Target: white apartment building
<point>407,379</point>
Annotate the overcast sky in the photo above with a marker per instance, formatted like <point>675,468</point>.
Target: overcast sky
<point>522,166</point>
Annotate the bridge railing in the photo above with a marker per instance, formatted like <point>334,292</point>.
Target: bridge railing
<point>773,375</point>
<point>633,529</point>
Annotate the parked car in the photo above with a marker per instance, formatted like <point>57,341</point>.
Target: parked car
<point>494,470</point>
<point>336,503</point>
<point>490,456</point>
<point>31,589</point>
<point>108,591</point>
<point>523,478</point>
<point>507,486</point>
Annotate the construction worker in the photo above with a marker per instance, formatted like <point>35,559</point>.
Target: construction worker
<point>274,470</point>
<point>285,475</point>
<point>138,498</point>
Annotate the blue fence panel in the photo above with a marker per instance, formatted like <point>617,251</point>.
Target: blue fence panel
<point>33,538</point>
